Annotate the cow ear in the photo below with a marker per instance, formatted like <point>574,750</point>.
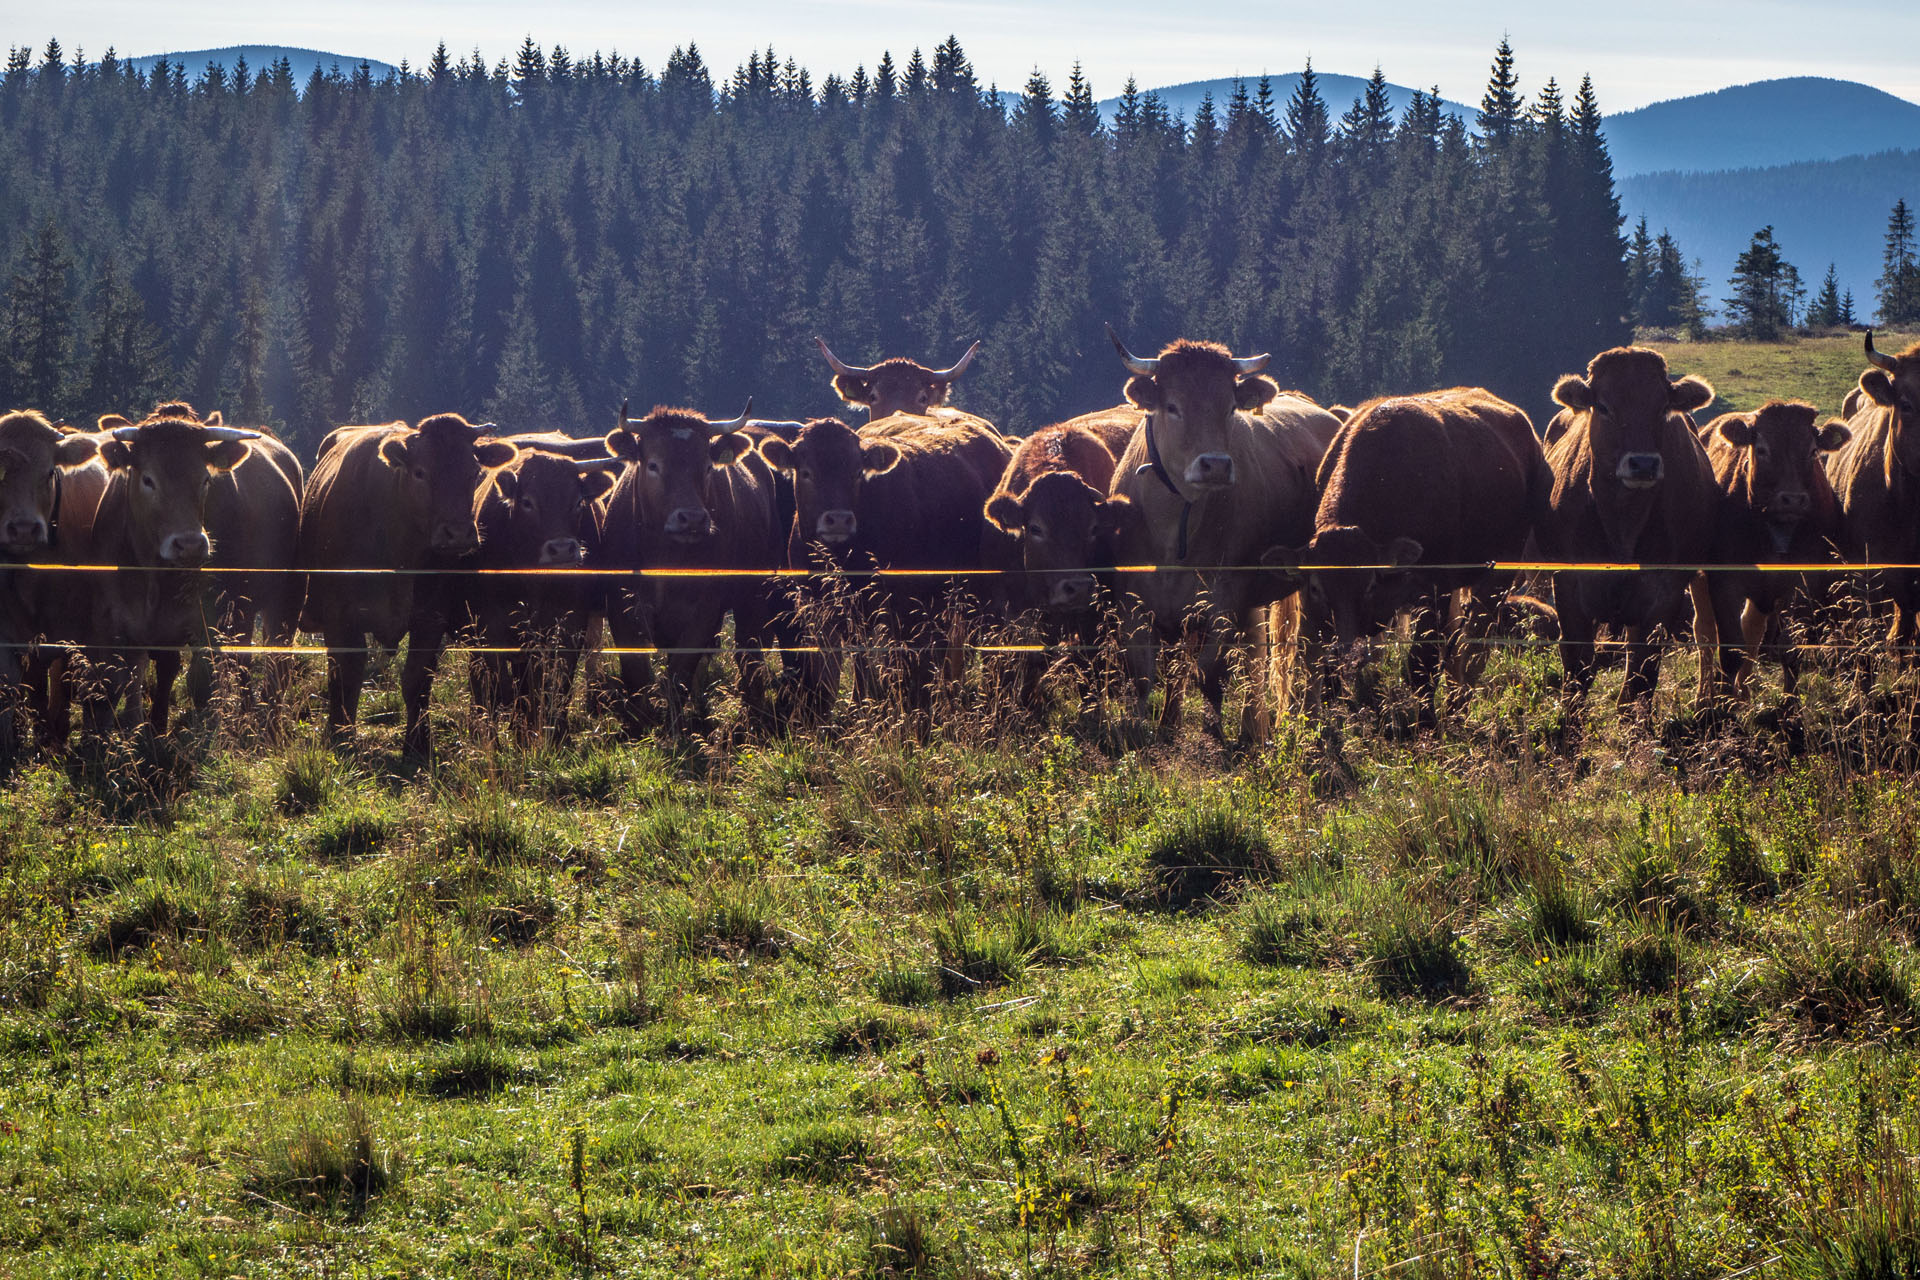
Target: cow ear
<point>393,451</point>
<point>1005,512</point>
<point>1832,436</point>
<point>1736,431</point>
<point>1402,552</point>
<point>215,420</point>
<point>1114,513</point>
<point>1341,411</point>
<point>116,454</point>
<point>494,453</point>
<point>1287,560</point>
<point>853,390</point>
<point>225,455</point>
<point>1143,393</point>
<point>74,450</point>
<point>598,483</point>
<point>777,452</point>
<point>1250,393</point>
<point>879,457</point>
<point>624,444</point>
<point>108,421</point>
<point>1877,386</point>
<point>507,483</point>
<point>1574,392</point>
<point>729,448</point>
<point>1690,393</point>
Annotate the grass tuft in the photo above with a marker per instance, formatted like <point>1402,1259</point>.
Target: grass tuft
<point>1204,850</point>
<point>328,1164</point>
<point>827,1152</point>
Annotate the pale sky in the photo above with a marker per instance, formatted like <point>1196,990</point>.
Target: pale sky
<point>1638,51</point>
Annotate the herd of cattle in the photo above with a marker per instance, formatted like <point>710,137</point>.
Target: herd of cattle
<point>1209,507</point>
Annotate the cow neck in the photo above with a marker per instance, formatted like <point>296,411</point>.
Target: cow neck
<point>1159,469</point>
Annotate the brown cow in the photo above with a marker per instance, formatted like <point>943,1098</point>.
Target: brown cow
<point>389,497</point>
<point>1451,477</point>
<point>904,492</point>
<point>1221,469</point>
<point>1776,505</point>
<point>693,495</point>
<point>151,521</point>
<point>1876,476</point>
<point>1053,500</point>
<point>898,386</point>
<point>536,513</point>
<point>1631,484</point>
<point>35,457</point>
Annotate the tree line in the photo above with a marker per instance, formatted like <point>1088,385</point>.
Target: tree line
<point>535,241</point>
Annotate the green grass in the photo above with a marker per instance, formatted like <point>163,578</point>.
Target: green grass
<point>1641,1002</point>
<point>1819,370</point>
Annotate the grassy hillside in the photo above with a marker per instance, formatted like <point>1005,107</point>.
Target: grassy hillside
<point>1546,996</point>
<point>1747,374</point>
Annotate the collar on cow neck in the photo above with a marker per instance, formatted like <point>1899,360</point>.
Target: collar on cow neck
<point>1159,469</point>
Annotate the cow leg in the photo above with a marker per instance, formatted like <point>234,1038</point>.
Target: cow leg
<point>346,676</point>
<point>752,626</point>
<point>1643,667</point>
<point>1256,718</point>
<point>1578,631</point>
<point>426,640</point>
<point>49,679</point>
<point>166,668</point>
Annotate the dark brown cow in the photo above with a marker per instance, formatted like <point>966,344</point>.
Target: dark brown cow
<point>1053,500</point>
<point>1776,505</point>
<point>1876,476</point>
<point>693,495</point>
<point>1221,469</point>
<point>150,520</point>
<point>536,513</point>
<point>898,386</point>
<point>1631,485</point>
<point>35,457</point>
<point>1451,477</point>
<point>389,497</point>
<point>903,493</point>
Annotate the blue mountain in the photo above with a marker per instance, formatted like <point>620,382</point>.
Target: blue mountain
<point>259,57</point>
<point>1760,125</point>
<point>1337,90</point>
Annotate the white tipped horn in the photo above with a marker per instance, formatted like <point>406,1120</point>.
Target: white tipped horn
<point>840,366</point>
<point>1880,360</point>
<point>948,375</point>
<point>1145,368</point>
<point>126,435</point>
<point>1245,365</point>
<point>226,433</point>
<point>722,428</point>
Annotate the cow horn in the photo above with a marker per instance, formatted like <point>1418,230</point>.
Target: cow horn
<point>1145,368</point>
<point>948,375</point>
<point>722,428</point>
<point>785,428</point>
<point>226,433</point>
<point>1245,366</point>
<point>126,435</point>
<point>624,419</point>
<point>1880,361</point>
<point>841,367</point>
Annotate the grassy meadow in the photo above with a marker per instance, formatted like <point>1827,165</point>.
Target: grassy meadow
<point>1819,370</point>
<point>1551,993</point>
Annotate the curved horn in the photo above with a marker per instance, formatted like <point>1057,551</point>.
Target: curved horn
<point>624,419</point>
<point>785,428</point>
<point>1245,365</point>
<point>722,428</point>
<point>1145,368</point>
<point>840,366</point>
<point>126,435</point>
<point>1879,360</point>
<point>225,433</point>
<point>948,375</point>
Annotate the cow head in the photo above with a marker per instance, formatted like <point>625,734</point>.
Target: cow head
<point>1894,383</point>
<point>828,462</point>
<point>540,501</point>
<point>1360,582</point>
<point>442,462</point>
<point>1778,462</point>
<point>32,454</point>
<point>1190,393</point>
<point>1064,526</point>
<point>898,385</point>
<point>1627,401</point>
<point>168,464</point>
<point>674,453</point>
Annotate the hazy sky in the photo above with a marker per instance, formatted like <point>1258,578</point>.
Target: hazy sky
<point>1640,51</point>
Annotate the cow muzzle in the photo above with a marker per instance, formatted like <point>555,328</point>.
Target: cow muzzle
<point>23,536</point>
<point>452,539</point>
<point>1210,471</point>
<point>1789,507</point>
<point>836,526</point>
<point>1071,591</point>
<point>689,524</point>
<point>185,549</point>
<point>1640,470</point>
<point>558,552</point>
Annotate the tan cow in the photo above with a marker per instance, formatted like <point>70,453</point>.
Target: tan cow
<point>1876,476</point>
<point>899,386</point>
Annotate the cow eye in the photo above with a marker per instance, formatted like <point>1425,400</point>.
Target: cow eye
<point>420,474</point>
<point>146,482</point>
<point>805,473</point>
<point>1038,532</point>
<point>526,504</point>
<point>1173,408</point>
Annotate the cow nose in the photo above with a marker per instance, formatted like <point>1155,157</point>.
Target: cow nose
<point>560,551</point>
<point>1641,470</point>
<point>185,548</point>
<point>688,522</point>
<point>1073,591</point>
<point>26,533</point>
<point>836,526</point>
<point>1211,470</point>
<point>448,536</point>
<point>1792,505</point>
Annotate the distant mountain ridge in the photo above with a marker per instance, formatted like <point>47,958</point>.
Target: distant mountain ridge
<point>1337,90</point>
<point>259,57</point>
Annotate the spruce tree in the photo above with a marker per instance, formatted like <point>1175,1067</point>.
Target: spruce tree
<point>39,324</point>
<point>125,360</point>
<point>1760,306</point>
<point>1824,313</point>
<point>1899,283</point>
<point>1081,114</point>
<point>1307,122</point>
<point>1501,106</point>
